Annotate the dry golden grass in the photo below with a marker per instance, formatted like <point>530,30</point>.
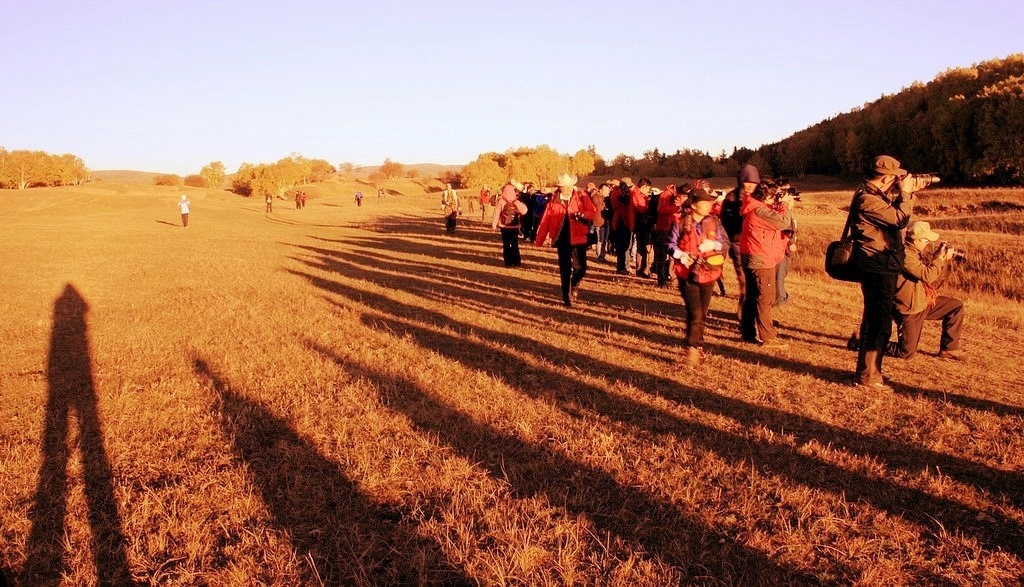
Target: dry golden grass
<point>345,395</point>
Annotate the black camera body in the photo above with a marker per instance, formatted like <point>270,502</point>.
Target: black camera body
<point>958,255</point>
<point>789,191</point>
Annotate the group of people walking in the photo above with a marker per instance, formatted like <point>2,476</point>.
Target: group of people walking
<point>686,233</point>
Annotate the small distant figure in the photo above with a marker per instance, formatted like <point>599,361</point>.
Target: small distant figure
<point>302,199</point>
<point>450,207</point>
<point>184,206</point>
<point>485,199</point>
<point>359,198</point>
<point>380,195</point>
<point>298,199</point>
<point>270,203</point>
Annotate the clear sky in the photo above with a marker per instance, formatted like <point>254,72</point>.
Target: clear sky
<point>170,86</point>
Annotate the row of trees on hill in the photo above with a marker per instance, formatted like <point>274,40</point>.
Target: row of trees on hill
<point>539,165</point>
<point>25,169</point>
<point>967,125</point>
<point>277,178</point>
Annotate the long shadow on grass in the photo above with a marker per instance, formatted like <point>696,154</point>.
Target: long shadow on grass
<point>350,539</point>
<point>465,232</point>
<point>71,392</point>
<point>484,289</point>
<point>652,526</point>
<point>345,264</point>
<point>916,505</point>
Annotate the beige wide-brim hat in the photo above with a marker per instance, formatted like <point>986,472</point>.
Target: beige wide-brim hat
<point>565,181</point>
<point>920,229</point>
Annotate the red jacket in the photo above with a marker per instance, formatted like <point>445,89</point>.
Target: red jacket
<point>668,213</point>
<point>554,217</point>
<point>762,245</point>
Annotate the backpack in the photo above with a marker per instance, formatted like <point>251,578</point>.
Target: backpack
<point>509,213</point>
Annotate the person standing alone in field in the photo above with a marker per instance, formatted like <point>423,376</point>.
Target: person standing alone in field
<point>485,200</point>
<point>450,207</point>
<point>359,198</point>
<point>270,203</point>
<point>184,206</point>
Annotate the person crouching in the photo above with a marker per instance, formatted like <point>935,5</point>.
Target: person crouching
<point>566,220</point>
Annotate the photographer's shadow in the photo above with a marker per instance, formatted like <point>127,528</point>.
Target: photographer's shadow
<point>71,391</point>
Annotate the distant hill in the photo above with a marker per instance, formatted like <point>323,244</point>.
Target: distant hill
<point>125,176</point>
<point>424,169</point>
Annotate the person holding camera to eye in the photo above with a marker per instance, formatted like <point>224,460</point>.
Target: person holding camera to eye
<point>766,214</point>
<point>917,297</point>
<point>880,211</point>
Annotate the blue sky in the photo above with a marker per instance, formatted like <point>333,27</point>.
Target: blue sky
<point>172,86</point>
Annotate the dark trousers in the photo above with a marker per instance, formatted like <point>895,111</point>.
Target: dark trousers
<point>510,246</point>
<point>449,222</point>
<point>879,290</point>
<point>756,319</point>
<point>660,265</point>
<point>572,266</point>
<point>643,240</point>
<point>781,271</point>
<point>949,310</point>
<point>741,277</point>
<point>184,220</point>
<point>622,238</point>
<point>697,299</point>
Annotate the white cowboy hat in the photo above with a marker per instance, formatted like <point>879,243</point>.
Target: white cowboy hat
<point>565,181</point>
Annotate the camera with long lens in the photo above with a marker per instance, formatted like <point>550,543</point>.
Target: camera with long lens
<point>958,255</point>
<point>922,180</point>
<point>926,178</point>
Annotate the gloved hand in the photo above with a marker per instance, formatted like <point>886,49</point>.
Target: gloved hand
<point>683,258</point>
<point>708,245</point>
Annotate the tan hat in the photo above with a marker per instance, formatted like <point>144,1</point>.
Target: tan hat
<point>627,181</point>
<point>920,229</point>
<point>886,165</point>
<point>565,181</point>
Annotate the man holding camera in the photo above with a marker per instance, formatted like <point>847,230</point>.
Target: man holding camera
<point>917,297</point>
<point>880,211</point>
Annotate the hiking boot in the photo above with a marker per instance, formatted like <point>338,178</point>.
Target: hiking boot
<point>874,387</point>
<point>643,275</point>
<point>574,293</point>
<point>774,344</point>
<point>951,355</point>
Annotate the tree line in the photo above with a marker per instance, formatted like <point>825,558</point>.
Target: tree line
<point>277,178</point>
<point>26,169</point>
<point>967,125</point>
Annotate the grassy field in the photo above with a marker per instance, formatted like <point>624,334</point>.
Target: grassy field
<point>348,395</point>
